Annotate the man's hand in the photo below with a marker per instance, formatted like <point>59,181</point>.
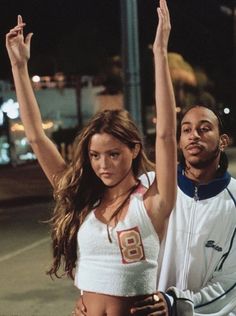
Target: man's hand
<point>153,305</point>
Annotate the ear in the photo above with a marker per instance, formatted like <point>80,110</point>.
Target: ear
<point>224,141</point>
<point>136,150</point>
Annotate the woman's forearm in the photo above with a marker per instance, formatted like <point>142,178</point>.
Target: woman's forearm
<point>29,110</point>
<point>164,96</point>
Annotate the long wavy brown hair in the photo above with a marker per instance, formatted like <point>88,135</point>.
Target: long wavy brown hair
<point>78,188</point>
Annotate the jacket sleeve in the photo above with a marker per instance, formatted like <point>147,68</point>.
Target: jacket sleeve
<point>217,297</point>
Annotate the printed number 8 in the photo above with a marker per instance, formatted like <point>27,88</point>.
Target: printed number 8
<point>131,246</point>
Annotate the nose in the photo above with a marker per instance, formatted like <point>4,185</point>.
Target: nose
<point>194,135</point>
<point>104,162</point>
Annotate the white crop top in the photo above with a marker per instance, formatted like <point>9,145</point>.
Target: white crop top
<point>128,265</point>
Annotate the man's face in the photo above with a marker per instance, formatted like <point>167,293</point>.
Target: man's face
<point>200,140</point>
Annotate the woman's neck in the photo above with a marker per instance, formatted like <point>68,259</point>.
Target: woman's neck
<point>120,189</point>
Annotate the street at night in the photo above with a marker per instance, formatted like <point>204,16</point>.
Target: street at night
<point>26,290</point>
<point>25,244</point>
<point>85,57</point>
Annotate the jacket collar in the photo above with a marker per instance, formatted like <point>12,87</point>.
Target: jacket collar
<point>202,191</point>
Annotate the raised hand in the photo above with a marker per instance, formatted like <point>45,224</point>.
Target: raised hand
<point>163,28</point>
<point>18,47</point>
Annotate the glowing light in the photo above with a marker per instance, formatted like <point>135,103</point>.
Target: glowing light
<point>24,141</point>
<point>17,127</point>
<point>47,125</point>
<point>36,78</point>
<point>226,110</point>
<point>11,108</point>
<point>1,118</point>
<point>13,114</point>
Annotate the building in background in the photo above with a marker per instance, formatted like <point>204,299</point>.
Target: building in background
<point>65,105</point>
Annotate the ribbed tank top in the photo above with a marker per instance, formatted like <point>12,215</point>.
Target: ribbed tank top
<point>128,265</point>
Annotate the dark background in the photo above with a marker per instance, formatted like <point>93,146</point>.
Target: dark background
<point>78,36</point>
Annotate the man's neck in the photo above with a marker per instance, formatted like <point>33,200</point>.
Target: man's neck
<point>201,176</point>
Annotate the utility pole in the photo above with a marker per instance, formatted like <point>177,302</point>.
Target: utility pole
<point>231,11</point>
<point>130,60</point>
<point>234,53</point>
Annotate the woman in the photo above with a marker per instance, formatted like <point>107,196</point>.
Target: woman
<point>107,226</point>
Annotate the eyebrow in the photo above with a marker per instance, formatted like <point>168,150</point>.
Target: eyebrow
<point>201,122</point>
<point>113,149</point>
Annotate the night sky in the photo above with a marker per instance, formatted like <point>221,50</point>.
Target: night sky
<point>77,36</point>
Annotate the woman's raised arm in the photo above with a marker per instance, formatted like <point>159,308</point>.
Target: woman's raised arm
<point>165,147</point>
<point>18,48</point>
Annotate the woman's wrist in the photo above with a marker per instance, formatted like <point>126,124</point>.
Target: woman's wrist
<point>21,68</point>
<point>19,65</point>
<point>160,51</point>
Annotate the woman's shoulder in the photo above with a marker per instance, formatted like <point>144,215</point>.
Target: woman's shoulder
<point>147,179</point>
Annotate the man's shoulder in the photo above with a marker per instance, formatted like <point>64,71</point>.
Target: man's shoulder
<point>233,179</point>
<point>232,183</point>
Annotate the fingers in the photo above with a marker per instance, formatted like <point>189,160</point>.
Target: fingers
<point>152,305</point>
<point>163,28</point>
<point>147,301</point>
<point>28,38</point>
<point>157,309</point>
<point>160,20</point>
<point>14,32</point>
<point>19,19</point>
<point>79,311</point>
<point>17,30</point>
<point>80,308</point>
<point>165,16</point>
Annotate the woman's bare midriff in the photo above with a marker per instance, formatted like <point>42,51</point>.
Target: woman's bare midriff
<point>107,305</point>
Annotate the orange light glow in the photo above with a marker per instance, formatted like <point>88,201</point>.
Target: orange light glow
<point>17,127</point>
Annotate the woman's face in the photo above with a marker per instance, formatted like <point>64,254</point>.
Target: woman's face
<point>110,159</point>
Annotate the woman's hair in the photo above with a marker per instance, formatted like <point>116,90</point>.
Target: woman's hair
<point>78,189</point>
<point>223,163</point>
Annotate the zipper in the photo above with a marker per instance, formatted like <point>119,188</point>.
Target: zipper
<point>196,197</point>
<point>188,244</point>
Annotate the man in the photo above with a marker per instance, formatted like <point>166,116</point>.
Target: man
<point>198,259</point>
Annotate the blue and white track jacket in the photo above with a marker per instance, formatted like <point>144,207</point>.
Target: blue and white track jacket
<point>198,257</point>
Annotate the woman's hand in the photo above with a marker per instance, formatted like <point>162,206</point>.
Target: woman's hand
<point>80,309</point>
<point>163,28</point>
<point>153,305</point>
<point>18,47</point>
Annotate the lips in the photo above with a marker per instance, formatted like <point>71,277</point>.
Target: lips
<point>105,174</point>
<point>194,149</point>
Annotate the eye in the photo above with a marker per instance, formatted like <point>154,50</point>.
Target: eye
<point>205,129</point>
<point>186,130</point>
<point>114,154</point>
<point>93,156</point>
